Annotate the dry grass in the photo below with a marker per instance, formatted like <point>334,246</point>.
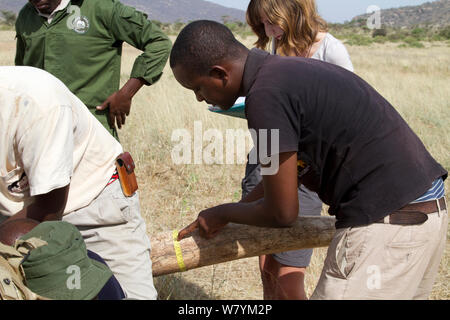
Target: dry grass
<point>413,80</point>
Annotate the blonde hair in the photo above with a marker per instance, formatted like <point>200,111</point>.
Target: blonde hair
<point>298,19</point>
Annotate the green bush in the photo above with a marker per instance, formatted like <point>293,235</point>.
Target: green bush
<point>413,43</point>
<point>437,37</point>
<point>359,40</point>
<point>379,33</point>
<point>419,33</point>
<point>395,37</point>
<point>416,44</point>
<point>445,33</point>
<point>380,39</point>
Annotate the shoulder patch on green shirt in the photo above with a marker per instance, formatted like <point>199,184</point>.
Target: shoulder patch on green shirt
<point>127,12</point>
<point>132,15</point>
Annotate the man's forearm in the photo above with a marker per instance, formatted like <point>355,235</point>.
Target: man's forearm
<point>132,86</point>
<point>35,213</point>
<point>256,194</point>
<point>46,207</point>
<point>256,213</point>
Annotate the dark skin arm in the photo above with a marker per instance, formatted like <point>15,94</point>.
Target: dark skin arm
<point>119,103</point>
<point>277,209</point>
<point>46,207</point>
<point>256,194</point>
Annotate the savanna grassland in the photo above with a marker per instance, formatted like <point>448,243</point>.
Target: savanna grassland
<point>415,80</point>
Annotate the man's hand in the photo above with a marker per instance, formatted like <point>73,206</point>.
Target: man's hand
<point>119,103</point>
<point>209,223</point>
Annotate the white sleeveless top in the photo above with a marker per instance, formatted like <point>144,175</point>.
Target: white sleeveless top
<point>333,51</point>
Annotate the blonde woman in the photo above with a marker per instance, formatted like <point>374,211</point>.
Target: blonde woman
<point>296,29</point>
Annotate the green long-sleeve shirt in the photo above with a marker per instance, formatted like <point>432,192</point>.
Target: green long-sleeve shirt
<point>82,46</point>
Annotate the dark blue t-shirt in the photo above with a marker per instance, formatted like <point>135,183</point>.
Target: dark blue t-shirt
<point>361,157</point>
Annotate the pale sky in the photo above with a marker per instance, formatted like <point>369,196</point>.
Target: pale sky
<point>337,10</point>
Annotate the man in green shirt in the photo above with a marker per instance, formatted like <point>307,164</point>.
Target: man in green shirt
<point>80,42</point>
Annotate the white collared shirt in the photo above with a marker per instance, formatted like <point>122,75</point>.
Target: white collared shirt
<point>63,5</point>
<point>48,139</point>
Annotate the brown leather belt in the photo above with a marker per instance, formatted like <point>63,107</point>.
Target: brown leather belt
<point>414,213</point>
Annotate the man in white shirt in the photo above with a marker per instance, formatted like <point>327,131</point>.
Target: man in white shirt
<point>58,162</point>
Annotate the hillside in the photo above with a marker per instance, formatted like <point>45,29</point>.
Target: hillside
<point>436,14</point>
<point>164,10</point>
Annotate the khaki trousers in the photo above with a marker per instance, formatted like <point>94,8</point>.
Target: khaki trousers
<point>113,228</point>
<point>384,261</point>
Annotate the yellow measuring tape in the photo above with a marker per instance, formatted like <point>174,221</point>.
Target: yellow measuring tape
<point>178,253</point>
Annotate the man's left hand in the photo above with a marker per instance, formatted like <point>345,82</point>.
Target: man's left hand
<point>119,104</point>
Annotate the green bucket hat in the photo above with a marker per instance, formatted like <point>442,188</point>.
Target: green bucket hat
<point>62,269</point>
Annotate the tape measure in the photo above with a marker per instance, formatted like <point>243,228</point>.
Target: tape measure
<point>178,253</point>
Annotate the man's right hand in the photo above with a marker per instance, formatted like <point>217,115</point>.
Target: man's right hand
<point>187,230</point>
<point>209,223</point>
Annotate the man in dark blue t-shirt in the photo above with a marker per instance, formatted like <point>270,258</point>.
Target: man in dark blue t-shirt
<point>331,131</point>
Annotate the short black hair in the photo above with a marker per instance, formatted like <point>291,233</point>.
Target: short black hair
<point>204,43</point>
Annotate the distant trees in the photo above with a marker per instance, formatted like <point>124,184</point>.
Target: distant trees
<point>236,26</point>
<point>351,33</point>
<point>170,28</point>
<point>8,17</point>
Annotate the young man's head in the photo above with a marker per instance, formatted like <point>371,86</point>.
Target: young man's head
<point>207,58</point>
<point>45,6</point>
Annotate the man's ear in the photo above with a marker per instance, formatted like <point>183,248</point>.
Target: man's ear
<point>219,73</point>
